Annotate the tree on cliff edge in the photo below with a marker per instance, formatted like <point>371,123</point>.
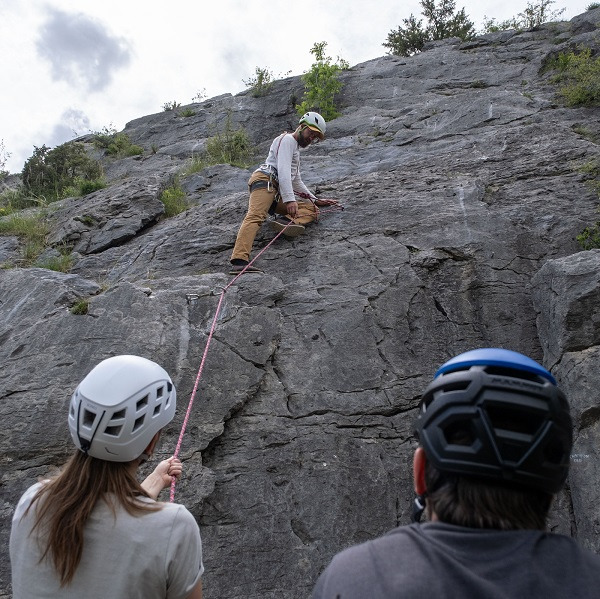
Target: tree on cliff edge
<point>443,21</point>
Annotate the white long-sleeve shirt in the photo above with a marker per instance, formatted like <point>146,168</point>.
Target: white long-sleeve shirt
<point>284,161</point>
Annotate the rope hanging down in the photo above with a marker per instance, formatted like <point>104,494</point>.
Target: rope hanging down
<point>210,336</point>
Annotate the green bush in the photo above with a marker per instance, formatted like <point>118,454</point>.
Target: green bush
<point>174,200</point>
<point>171,105</point>
<point>83,187</point>
<point>116,144</point>
<point>578,77</point>
<point>62,263</point>
<point>533,15</point>
<point>187,112</point>
<point>231,146</point>
<point>87,187</point>
<point>14,199</point>
<point>50,175</point>
<point>321,84</point>
<point>261,83</point>
<point>200,96</point>
<point>589,238</point>
<point>31,228</point>
<point>443,21</point>
<point>195,164</point>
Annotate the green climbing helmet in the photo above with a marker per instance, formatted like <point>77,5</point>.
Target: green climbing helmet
<point>314,121</point>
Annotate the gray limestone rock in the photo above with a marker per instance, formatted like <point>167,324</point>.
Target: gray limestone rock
<point>460,175</point>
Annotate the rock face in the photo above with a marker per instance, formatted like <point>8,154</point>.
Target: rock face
<point>460,175</point>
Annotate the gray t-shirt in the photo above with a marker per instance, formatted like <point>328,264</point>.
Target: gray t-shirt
<point>154,556</point>
<point>444,561</point>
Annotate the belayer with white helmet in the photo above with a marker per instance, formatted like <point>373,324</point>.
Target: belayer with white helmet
<point>495,438</point>
<point>93,530</point>
<point>273,189</point>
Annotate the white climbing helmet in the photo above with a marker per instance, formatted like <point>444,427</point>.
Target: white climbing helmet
<point>119,406</point>
<point>314,121</point>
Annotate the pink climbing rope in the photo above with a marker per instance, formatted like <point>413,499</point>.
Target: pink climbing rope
<point>210,336</point>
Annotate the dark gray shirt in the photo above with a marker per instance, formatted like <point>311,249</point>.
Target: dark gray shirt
<point>445,561</point>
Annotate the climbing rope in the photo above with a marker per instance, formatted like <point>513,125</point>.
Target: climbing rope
<point>210,336</point>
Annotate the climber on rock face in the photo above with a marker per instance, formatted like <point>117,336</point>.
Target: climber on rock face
<point>274,187</point>
<point>495,438</point>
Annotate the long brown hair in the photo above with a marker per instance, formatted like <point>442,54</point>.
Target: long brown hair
<point>65,502</point>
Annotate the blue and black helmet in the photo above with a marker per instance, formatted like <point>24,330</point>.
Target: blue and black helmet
<point>497,414</point>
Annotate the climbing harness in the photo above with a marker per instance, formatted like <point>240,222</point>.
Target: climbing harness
<point>210,336</point>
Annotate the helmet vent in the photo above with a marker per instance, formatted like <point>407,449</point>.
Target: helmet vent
<point>460,432</point>
<point>160,391</point>
<point>514,419</point>
<point>88,418</point>
<point>119,414</point>
<point>141,403</point>
<point>138,423</point>
<point>113,431</point>
<point>156,410</point>
<point>514,373</point>
<point>456,386</point>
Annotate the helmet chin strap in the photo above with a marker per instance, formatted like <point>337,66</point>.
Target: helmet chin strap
<point>418,508</point>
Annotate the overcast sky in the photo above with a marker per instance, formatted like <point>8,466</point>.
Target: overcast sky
<point>73,66</point>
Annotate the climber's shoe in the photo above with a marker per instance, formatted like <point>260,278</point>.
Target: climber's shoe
<point>289,228</point>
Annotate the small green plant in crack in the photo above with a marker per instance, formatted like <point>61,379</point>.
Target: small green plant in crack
<point>589,238</point>
<point>80,308</point>
<point>31,229</point>
<point>116,144</point>
<point>61,263</point>
<point>592,171</point>
<point>174,199</point>
<point>87,219</point>
<point>584,132</point>
<point>187,112</point>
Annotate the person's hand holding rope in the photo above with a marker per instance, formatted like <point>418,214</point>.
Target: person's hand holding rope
<point>292,209</point>
<point>162,476</point>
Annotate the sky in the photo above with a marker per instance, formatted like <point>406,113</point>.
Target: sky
<point>69,67</point>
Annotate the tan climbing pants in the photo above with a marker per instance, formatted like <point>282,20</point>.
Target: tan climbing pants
<point>258,209</point>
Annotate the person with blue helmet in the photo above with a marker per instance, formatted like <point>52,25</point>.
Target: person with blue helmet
<point>495,436</point>
<point>276,188</point>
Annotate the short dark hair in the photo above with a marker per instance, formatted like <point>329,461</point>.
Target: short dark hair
<point>477,503</point>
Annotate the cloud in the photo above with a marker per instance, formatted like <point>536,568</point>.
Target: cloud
<point>81,51</point>
<point>73,123</point>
